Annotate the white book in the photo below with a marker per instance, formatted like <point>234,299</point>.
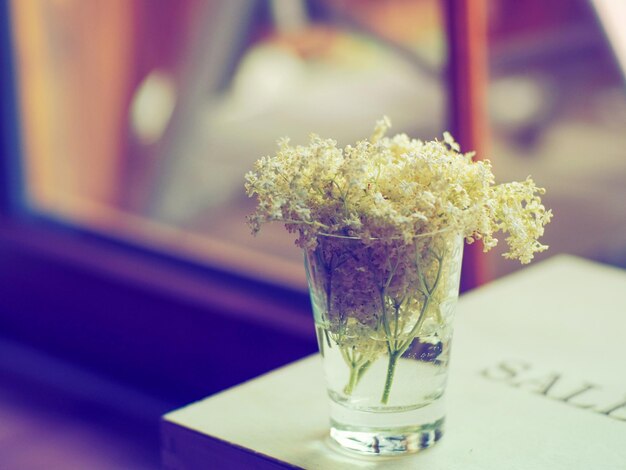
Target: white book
<point>537,381</point>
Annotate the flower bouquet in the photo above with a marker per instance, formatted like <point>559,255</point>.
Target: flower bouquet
<point>382,225</point>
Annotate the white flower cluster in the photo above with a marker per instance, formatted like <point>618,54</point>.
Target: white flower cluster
<point>394,188</point>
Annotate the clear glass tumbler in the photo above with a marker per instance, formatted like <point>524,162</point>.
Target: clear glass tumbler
<point>383,314</point>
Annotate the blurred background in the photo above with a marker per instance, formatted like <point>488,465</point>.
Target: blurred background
<point>130,283</point>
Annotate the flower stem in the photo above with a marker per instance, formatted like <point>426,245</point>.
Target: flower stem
<point>354,378</point>
<point>397,348</point>
<point>357,370</point>
<point>391,368</point>
<point>363,370</point>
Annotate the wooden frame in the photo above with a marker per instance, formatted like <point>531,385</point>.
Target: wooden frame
<point>466,26</point>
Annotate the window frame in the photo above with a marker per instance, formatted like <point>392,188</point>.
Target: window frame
<point>153,319</point>
<point>84,296</point>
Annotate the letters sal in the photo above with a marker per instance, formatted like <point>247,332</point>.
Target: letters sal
<point>554,385</point>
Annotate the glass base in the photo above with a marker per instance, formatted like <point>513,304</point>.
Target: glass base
<point>387,442</point>
<point>390,433</point>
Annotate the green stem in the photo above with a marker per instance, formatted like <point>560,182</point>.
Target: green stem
<point>354,378</point>
<point>396,352</point>
<point>391,368</point>
<point>327,338</point>
<point>416,328</point>
<point>363,370</point>
<point>329,294</point>
<point>357,371</point>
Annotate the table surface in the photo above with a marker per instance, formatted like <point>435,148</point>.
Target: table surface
<point>537,378</point>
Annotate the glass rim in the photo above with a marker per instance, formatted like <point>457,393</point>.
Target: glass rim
<point>420,235</point>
